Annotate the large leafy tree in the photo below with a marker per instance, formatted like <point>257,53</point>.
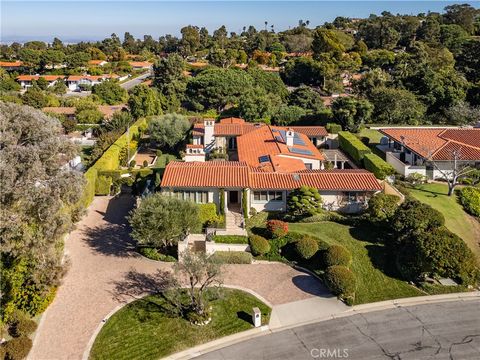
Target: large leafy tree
<point>306,98</point>
<point>258,105</point>
<point>169,77</point>
<point>161,221</point>
<point>144,101</point>
<point>215,88</point>
<point>110,92</point>
<point>39,198</point>
<point>169,130</point>
<point>352,113</point>
<point>396,106</point>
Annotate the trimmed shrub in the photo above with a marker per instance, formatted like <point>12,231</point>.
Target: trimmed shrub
<point>230,239</point>
<point>153,254</point>
<point>341,281</point>
<point>18,348</point>
<point>22,326</point>
<point>3,352</point>
<point>470,199</point>
<point>323,216</point>
<point>379,167</point>
<point>207,213</point>
<point>89,189</point>
<point>221,211</point>
<point>258,245</point>
<point>382,207</point>
<point>304,201</point>
<point>337,255</point>
<point>306,247</point>
<point>244,203</point>
<point>333,128</point>
<point>232,257</point>
<point>277,228</point>
<point>353,146</point>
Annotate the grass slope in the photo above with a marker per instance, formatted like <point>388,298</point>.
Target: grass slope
<point>456,219</point>
<point>375,275</point>
<point>142,329</point>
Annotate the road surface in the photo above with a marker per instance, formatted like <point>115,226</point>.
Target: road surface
<point>131,83</point>
<point>446,330</point>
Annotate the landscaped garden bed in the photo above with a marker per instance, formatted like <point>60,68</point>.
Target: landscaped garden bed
<point>144,329</point>
<point>230,239</point>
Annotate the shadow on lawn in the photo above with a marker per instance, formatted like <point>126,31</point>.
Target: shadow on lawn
<point>243,315</point>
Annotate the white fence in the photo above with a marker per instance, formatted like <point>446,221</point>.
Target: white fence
<point>403,168</point>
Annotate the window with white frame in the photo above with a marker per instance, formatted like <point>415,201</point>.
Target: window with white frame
<point>200,197</point>
<point>267,196</point>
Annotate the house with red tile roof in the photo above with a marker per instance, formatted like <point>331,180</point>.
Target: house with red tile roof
<point>97,62</point>
<point>430,151</point>
<point>11,65</point>
<point>268,163</point>
<point>140,65</point>
<point>75,81</point>
<point>26,81</point>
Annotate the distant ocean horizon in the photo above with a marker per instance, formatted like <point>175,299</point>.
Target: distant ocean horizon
<point>23,21</point>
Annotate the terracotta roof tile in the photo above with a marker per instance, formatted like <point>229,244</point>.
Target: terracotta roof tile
<point>438,143</point>
<point>206,174</point>
<point>36,77</point>
<point>234,174</point>
<point>311,131</point>
<point>11,63</point>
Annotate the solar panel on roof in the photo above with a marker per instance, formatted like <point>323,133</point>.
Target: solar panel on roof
<point>263,158</point>
<point>299,151</point>
<point>279,138</point>
<point>297,140</point>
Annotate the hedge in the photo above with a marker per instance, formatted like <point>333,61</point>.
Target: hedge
<point>470,199</point>
<point>277,228</point>
<point>333,128</point>
<point>232,257</point>
<point>353,146</point>
<point>18,348</point>
<point>110,160</point>
<point>207,213</point>
<point>341,281</point>
<point>306,247</point>
<point>230,239</point>
<point>337,255</point>
<point>379,167</point>
<point>153,254</point>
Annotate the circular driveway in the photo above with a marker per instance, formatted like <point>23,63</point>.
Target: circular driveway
<point>105,272</point>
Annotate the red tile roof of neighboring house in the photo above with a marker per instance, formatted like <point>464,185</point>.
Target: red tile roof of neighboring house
<point>140,64</point>
<point>96,62</point>
<point>11,63</point>
<point>36,77</point>
<point>106,110</point>
<point>92,77</point>
<point>206,174</point>
<point>438,143</point>
<point>234,174</point>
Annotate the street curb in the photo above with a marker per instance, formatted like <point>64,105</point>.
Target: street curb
<point>358,309</point>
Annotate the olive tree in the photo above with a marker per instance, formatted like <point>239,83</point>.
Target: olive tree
<point>169,130</point>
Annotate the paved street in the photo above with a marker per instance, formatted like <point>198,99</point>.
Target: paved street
<point>131,83</point>
<point>448,330</point>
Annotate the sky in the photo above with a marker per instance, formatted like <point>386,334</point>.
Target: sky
<point>73,21</point>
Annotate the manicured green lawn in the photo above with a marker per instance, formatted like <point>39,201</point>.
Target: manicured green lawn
<point>456,219</point>
<point>373,135</point>
<point>374,272</point>
<point>142,329</point>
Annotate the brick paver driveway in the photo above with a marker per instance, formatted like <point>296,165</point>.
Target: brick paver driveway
<point>102,257</point>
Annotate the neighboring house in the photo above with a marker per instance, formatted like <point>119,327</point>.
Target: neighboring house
<point>11,65</point>
<point>269,162</point>
<point>26,81</point>
<point>74,81</point>
<point>69,111</point>
<point>140,65</point>
<point>203,182</point>
<point>412,150</point>
<point>97,62</point>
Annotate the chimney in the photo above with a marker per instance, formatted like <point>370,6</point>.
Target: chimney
<point>290,134</point>
<point>209,125</point>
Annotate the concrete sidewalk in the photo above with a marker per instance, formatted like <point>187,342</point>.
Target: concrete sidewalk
<point>313,309</point>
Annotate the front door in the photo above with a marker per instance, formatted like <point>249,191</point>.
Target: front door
<point>233,197</point>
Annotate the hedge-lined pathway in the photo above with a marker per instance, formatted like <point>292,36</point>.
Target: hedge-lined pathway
<point>105,272</point>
